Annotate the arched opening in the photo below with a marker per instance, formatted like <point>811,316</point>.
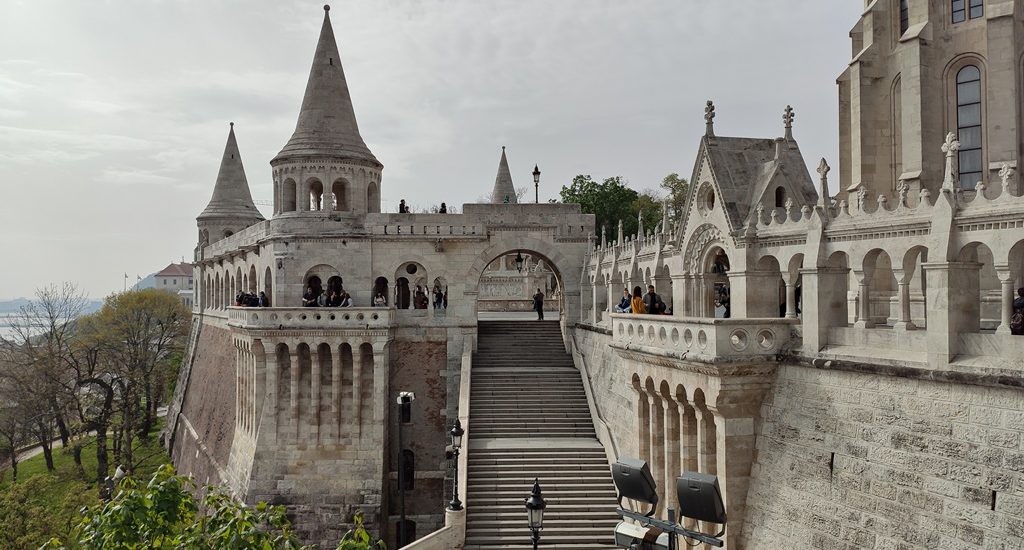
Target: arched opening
<point>334,284</point>
<point>707,435</point>
<point>506,291</point>
<point>380,292</point>
<point>838,268</point>
<point>313,289</point>
<point>769,300</point>
<point>780,197</point>
<point>340,190</point>
<point>877,289</point>
<point>372,198</point>
<point>896,128</point>
<point>403,298</point>
<point>912,289</point>
<point>439,294</point>
<point>716,297</point>
<point>981,305</point>
<point>288,202</point>
<point>316,196</point>
<point>268,287</point>
<point>252,279</point>
<point>227,233</point>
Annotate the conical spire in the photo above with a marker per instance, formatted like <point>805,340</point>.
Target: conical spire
<point>327,122</point>
<point>504,191</point>
<point>231,197</point>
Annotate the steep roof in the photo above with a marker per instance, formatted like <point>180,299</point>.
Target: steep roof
<point>231,196</point>
<point>327,122</point>
<point>503,182</point>
<point>746,168</point>
<point>183,269</point>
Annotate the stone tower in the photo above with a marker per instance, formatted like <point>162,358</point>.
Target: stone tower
<point>231,208</point>
<point>326,168</point>
<point>921,69</point>
<point>504,191</point>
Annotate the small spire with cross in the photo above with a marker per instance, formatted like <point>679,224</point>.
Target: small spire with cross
<point>823,170</point>
<point>787,119</point>
<point>709,119</point>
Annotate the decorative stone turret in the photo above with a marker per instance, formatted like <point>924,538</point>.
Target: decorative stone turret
<point>326,166</point>
<point>231,208</point>
<point>504,191</point>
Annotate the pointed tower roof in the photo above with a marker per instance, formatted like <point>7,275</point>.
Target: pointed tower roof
<point>327,122</point>
<point>231,195</point>
<point>503,183</point>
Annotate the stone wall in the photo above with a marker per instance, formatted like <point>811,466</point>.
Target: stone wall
<point>209,414</point>
<point>853,461</point>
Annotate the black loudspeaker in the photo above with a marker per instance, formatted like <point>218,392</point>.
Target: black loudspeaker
<point>633,480</point>
<point>700,498</point>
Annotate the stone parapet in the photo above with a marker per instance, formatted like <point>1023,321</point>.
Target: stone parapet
<point>702,339</point>
<point>271,318</point>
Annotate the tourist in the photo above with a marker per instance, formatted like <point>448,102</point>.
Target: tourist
<point>636,305</point>
<point>379,300</point>
<point>264,300</point>
<point>345,300</point>
<point>438,297</point>
<point>653,302</point>
<point>309,298</point>
<point>538,304</point>
<point>402,208</point>
<point>623,306</point>
<point>1017,317</point>
<point>238,298</point>
<point>421,301</point>
<point>443,209</point>
<point>332,300</point>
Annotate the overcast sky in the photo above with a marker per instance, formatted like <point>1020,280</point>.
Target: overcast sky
<point>114,113</point>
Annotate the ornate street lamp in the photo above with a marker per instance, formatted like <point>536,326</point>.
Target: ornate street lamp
<point>535,506</point>
<point>519,262</point>
<point>536,184</point>
<point>457,433</point>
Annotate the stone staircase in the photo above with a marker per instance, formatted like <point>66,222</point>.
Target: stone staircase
<point>529,418</point>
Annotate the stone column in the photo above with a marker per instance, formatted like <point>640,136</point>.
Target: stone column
<point>357,387</point>
<point>270,409</point>
<point>314,393</point>
<point>643,425</point>
<point>657,441</point>
<point>336,390</point>
<point>863,299</point>
<point>301,195</point>
<point>679,289</point>
<point>953,308</point>
<point>238,384</point>
<point>790,300</point>
<point>672,453</point>
<point>296,368</point>
<point>903,278</point>
<point>1006,286</point>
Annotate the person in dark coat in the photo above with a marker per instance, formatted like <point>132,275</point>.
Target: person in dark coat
<point>538,304</point>
<point>264,301</point>
<point>309,298</point>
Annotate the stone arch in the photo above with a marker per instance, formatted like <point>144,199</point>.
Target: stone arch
<point>288,196</point>
<point>981,306</point>
<point>317,197</point>
<point>268,285</point>
<point>317,277</point>
<point>252,280</point>
<point>764,302</point>
<point>877,288</point>
<point>688,430</point>
<point>341,190</point>
<point>380,287</point>
<point>707,438</point>
<point>373,198</point>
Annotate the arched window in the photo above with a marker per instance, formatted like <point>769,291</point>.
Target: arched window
<point>904,16</point>
<point>968,125</point>
<point>780,197</point>
<point>897,131</point>
<point>962,9</point>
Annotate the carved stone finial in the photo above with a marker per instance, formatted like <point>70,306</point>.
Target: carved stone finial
<point>709,119</point>
<point>789,206</point>
<point>787,119</point>
<point>950,147</point>
<point>902,188</point>
<point>760,213</point>
<point>862,198</point>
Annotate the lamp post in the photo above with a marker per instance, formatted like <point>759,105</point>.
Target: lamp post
<point>535,506</point>
<point>536,184</point>
<point>405,400</point>
<point>457,432</point>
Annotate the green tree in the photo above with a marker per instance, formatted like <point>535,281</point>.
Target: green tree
<point>609,201</point>
<point>650,205</point>
<point>676,188</point>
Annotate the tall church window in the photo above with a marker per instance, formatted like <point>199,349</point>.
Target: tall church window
<point>897,131</point>
<point>904,16</point>
<point>962,9</point>
<point>968,125</point>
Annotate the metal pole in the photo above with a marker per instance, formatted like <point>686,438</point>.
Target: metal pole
<point>401,482</point>
<point>536,537</point>
<point>455,504</point>
<point>536,193</point>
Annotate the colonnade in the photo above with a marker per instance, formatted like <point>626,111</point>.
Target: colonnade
<point>316,392</point>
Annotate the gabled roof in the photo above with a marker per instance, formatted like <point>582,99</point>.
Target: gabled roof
<point>503,186</point>
<point>747,168</point>
<point>231,196</point>
<point>327,121</point>
<point>183,269</point>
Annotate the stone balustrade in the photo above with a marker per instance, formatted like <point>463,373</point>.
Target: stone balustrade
<point>309,318</point>
<point>701,339</point>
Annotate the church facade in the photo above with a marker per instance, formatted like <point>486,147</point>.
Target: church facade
<point>843,363</point>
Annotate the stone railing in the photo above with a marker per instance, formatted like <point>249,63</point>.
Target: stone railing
<point>309,317</point>
<point>699,339</point>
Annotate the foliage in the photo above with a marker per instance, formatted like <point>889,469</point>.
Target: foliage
<point>24,523</point>
<point>358,538</point>
<point>676,188</point>
<point>163,513</point>
<point>613,200</point>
